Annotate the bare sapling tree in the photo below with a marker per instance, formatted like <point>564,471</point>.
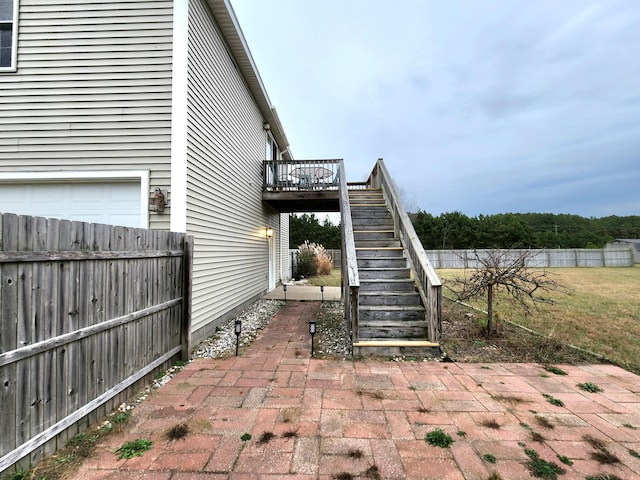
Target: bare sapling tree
<point>506,270</point>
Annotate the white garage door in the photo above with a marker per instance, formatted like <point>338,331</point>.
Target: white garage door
<point>113,203</point>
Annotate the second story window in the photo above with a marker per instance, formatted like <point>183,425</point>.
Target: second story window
<point>8,34</point>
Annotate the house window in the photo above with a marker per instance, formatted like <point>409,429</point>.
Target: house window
<point>8,34</point>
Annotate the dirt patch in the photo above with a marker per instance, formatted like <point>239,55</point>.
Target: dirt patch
<point>464,340</point>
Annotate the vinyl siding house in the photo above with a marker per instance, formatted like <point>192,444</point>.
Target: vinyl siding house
<point>103,103</point>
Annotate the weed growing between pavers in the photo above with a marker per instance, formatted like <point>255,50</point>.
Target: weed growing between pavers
<point>372,473</point>
<point>494,476</point>
<point>424,410</point>
<point>603,476</point>
<point>628,425</point>
<point>508,399</point>
<point>565,460</point>
<point>342,476</point>
<point>290,434</point>
<point>377,395</point>
<point>553,401</point>
<point>245,437</point>
<point>355,453</point>
<point>544,422</point>
<point>601,454</point>
<point>134,448</point>
<point>489,458</point>
<point>555,370</point>
<point>266,437</point>
<point>535,436</point>
<point>633,453</point>
<point>461,433</point>
<point>178,431</point>
<point>590,387</point>
<point>438,438</point>
<point>491,423</point>
<point>541,468</point>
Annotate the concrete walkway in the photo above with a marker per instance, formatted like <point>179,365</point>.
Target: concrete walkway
<point>325,419</point>
<point>304,293</point>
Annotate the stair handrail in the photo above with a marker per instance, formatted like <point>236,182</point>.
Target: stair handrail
<point>350,277</point>
<point>429,284</point>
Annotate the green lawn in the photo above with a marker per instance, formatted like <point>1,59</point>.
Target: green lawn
<point>331,280</point>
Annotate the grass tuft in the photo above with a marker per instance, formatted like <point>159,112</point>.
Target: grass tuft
<point>491,423</point>
<point>544,422</point>
<point>489,458</point>
<point>178,431</point>
<point>555,370</point>
<point>373,473</point>
<point>541,468</point>
<point>553,401</point>
<point>266,437</point>
<point>438,438</point>
<point>590,387</point>
<point>135,448</point>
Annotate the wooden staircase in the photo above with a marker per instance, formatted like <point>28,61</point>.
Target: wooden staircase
<point>391,316</point>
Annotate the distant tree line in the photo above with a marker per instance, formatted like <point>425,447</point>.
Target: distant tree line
<point>308,227</point>
<point>455,230</point>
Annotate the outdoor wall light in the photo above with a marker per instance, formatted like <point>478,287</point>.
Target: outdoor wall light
<point>269,232</point>
<point>237,329</point>
<point>284,288</point>
<point>266,126</point>
<point>312,331</point>
<point>157,201</point>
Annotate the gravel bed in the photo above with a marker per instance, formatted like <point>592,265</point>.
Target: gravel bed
<point>253,319</point>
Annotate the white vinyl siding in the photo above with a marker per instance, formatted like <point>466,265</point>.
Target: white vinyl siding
<point>226,144</point>
<point>93,90</point>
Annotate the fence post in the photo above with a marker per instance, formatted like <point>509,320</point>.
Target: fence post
<point>187,260</point>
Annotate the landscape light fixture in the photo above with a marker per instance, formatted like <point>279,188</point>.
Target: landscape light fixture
<point>312,331</point>
<point>237,329</point>
<point>269,232</point>
<point>322,292</point>
<point>284,287</point>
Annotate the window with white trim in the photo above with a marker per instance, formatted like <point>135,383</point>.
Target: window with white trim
<point>8,34</point>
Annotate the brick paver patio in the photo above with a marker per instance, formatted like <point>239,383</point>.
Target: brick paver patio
<point>325,419</point>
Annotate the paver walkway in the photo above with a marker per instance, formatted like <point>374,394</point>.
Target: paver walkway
<point>369,418</point>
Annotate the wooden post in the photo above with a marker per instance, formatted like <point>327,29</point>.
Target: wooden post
<point>186,298</point>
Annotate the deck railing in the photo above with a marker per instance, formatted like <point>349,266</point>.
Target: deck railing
<point>429,285</point>
<point>292,175</point>
<point>350,277</point>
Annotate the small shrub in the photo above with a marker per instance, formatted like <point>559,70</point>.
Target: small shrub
<point>438,438</point>
<point>306,260</point>
<point>590,387</point>
<point>134,448</point>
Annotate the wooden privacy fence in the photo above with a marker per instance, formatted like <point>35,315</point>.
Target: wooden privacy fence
<point>88,312</point>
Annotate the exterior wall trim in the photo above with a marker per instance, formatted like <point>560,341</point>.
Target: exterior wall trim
<point>14,41</point>
<point>179,117</point>
<point>48,176</point>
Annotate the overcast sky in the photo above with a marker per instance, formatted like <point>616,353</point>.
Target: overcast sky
<point>480,107</point>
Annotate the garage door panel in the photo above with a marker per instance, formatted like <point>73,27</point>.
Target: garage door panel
<point>113,203</point>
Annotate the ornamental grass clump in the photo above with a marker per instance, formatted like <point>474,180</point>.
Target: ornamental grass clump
<point>313,259</point>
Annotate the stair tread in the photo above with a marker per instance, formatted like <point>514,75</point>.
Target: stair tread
<point>395,343</point>
<point>392,308</point>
